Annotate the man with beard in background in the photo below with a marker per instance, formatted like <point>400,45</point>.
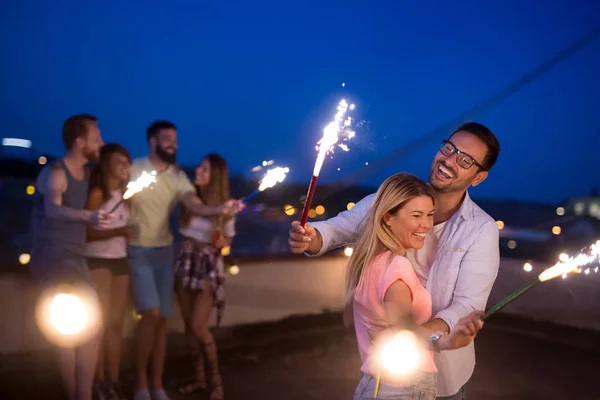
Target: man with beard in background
<point>59,235</point>
<point>150,251</point>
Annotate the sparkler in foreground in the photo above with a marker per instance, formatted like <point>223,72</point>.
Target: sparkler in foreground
<point>401,355</point>
<point>143,181</point>
<point>271,178</point>
<point>561,268</point>
<point>331,135</point>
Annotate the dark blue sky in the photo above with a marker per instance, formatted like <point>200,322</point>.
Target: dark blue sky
<point>258,80</point>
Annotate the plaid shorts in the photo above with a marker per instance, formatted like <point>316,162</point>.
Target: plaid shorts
<point>197,263</point>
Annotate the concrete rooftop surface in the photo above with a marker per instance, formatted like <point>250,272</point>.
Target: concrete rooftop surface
<point>314,357</point>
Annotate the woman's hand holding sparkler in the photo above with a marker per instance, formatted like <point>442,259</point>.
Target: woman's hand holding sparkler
<point>99,218</point>
<point>232,207</point>
<point>304,239</point>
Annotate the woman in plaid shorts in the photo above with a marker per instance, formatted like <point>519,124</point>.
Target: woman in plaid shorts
<point>200,275</point>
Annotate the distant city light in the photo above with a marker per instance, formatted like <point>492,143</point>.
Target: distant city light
<point>512,244</point>
<point>289,209</point>
<point>225,251</point>
<point>24,258</point>
<point>312,213</point>
<point>320,210</point>
<point>348,251</point>
<point>234,270</point>
<point>560,211</point>
<point>349,206</point>
<point>42,160</point>
<point>527,267</point>
<point>556,230</point>
<point>30,190</point>
<point>500,224</point>
<point>16,142</point>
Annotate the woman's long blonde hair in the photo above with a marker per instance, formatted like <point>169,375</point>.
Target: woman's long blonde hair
<point>393,194</point>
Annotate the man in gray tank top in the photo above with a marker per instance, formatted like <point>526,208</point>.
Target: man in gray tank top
<point>59,236</point>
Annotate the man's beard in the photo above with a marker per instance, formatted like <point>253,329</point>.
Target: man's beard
<point>92,156</point>
<point>169,158</point>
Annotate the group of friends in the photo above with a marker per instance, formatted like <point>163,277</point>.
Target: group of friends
<point>425,259</point>
<point>84,234</point>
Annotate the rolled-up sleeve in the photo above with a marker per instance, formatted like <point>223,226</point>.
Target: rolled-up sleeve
<point>476,276</point>
<point>345,228</point>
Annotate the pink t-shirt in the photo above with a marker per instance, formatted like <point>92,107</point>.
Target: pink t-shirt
<point>369,314</point>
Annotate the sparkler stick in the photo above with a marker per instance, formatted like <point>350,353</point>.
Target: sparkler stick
<point>560,268</point>
<point>330,138</point>
<point>377,381</point>
<point>271,178</point>
<point>143,181</point>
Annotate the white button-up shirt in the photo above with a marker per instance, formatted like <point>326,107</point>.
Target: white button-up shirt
<point>460,280</point>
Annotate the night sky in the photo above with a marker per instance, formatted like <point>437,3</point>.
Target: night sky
<point>255,80</point>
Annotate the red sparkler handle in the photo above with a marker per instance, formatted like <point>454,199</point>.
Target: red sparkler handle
<point>309,197</point>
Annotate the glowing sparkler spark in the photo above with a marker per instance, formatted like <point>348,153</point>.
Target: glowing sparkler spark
<point>270,179</point>
<point>331,135</point>
<point>565,266</point>
<point>143,181</point>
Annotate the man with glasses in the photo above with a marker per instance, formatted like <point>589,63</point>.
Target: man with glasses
<point>458,263</point>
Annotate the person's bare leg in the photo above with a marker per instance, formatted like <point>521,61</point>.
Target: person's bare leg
<point>186,302</point>
<point>86,356</point>
<point>145,337</point>
<point>158,354</point>
<point>114,328</point>
<point>66,367</point>
<point>203,305</point>
<point>102,278</point>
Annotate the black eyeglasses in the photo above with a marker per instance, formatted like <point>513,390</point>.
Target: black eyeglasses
<point>464,160</point>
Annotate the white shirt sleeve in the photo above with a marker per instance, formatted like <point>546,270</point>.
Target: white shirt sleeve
<point>476,276</point>
<point>345,228</point>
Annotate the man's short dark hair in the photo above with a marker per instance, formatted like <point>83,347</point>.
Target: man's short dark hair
<point>75,127</point>
<point>487,137</point>
<point>158,126</point>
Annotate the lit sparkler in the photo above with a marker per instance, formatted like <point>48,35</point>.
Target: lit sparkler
<point>340,126</point>
<point>142,182</point>
<point>271,178</point>
<point>565,266</point>
<point>399,356</point>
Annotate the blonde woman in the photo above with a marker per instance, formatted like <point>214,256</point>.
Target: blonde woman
<point>383,292</point>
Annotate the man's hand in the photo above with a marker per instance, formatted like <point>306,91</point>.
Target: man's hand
<point>99,218</point>
<point>304,239</point>
<point>464,332</point>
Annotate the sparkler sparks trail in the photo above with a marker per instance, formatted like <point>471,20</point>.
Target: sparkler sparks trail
<point>339,127</point>
<point>565,266</point>
<point>143,181</point>
<point>270,179</point>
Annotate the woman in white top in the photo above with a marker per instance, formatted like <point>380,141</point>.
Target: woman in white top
<point>106,253</point>
<point>199,271</point>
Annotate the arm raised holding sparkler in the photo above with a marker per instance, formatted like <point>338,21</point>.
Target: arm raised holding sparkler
<point>197,207</point>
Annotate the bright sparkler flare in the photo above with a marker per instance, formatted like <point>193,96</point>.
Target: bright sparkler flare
<point>331,134</point>
<point>565,266</point>
<point>272,177</point>
<point>143,181</point>
<point>569,265</point>
<point>401,354</point>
